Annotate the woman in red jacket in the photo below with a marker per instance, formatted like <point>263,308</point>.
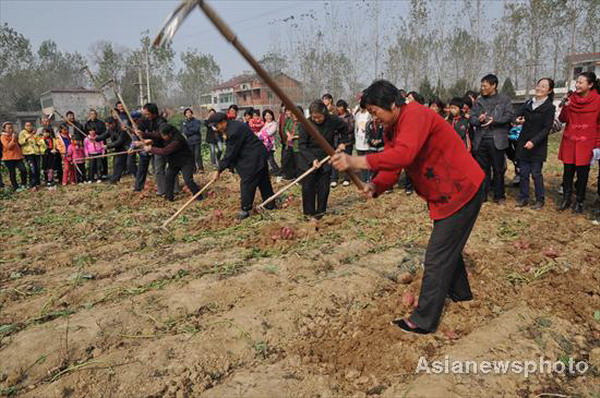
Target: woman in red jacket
<point>581,113</point>
<point>444,173</point>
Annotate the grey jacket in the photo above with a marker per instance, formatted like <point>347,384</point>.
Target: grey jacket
<point>498,106</point>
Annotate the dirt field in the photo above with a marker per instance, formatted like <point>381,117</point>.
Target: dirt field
<point>97,302</point>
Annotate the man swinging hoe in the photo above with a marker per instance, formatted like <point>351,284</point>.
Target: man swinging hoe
<point>418,141</point>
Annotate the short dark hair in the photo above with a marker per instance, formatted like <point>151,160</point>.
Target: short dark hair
<point>471,93</point>
<point>342,104</point>
<point>418,97</point>
<point>381,93</point>
<point>300,109</point>
<point>117,103</point>
<point>152,108</point>
<point>270,112</point>
<point>188,109</point>
<point>234,107</point>
<point>212,110</point>
<point>440,104</point>
<point>167,129</point>
<point>491,79</point>
<point>328,96</point>
<point>317,106</point>
<point>255,112</point>
<point>91,128</point>
<point>249,112</point>
<point>63,126</point>
<point>70,113</point>
<point>457,101</point>
<point>468,101</point>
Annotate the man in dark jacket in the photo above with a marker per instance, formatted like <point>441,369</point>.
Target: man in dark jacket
<point>76,129</point>
<point>151,123</point>
<point>120,140</point>
<point>491,116</point>
<point>179,158</point>
<point>94,123</point>
<point>248,155</point>
<point>191,130</point>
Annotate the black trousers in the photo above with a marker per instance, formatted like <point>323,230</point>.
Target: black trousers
<point>492,161</point>
<point>289,165</point>
<point>142,172</point>
<point>583,173</point>
<point>445,274</point>
<point>104,168</point>
<point>334,173</point>
<point>248,189</point>
<point>132,164</point>
<point>315,191</point>
<point>95,167</point>
<point>33,161</point>
<point>12,166</point>
<point>197,151</point>
<point>273,163</point>
<point>187,170</point>
<point>80,172</point>
<point>118,168</point>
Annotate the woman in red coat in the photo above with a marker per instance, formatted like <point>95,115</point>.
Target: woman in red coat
<point>444,173</point>
<point>581,113</point>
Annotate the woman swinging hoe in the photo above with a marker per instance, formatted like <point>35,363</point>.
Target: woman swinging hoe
<point>443,172</point>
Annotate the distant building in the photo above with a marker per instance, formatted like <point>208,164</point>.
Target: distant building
<point>578,63</point>
<point>249,91</point>
<point>78,100</point>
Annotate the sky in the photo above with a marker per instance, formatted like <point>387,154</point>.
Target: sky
<point>76,24</point>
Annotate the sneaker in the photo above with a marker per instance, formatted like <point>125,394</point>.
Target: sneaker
<point>333,184</point>
<point>346,183</point>
<point>522,203</point>
<point>408,191</point>
<point>243,214</point>
<point>98,181</point>
<point>560,190</point>
<point>537,205</point>
<point>278,179</point>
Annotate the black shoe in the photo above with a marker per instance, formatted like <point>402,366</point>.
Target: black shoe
<point>537,205</point>
<point>403,325</point>
<point>201,197</point>
<point>522,203</point>
<point>566,203</point>
<point>243,214</point>
<point>457,299</point>
<point>578,207</point>
<point>500,201</point>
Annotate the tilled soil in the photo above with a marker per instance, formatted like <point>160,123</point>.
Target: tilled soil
<point>98,301</point>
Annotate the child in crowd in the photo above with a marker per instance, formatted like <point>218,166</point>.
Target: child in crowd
<point>51,157</point>
<point>256,123</point>
<point>12,156</point>
<point>93,148</point>
<point>458,121</point>
<point>76,155</point>
<point>63,143</point>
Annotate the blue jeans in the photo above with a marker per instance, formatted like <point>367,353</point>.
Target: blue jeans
<point>535,170</point>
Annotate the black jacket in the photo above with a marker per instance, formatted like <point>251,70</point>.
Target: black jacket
<point>153,126</point>
<point>536,128</point>
<point>75,132</point>
<point>212,137</point>
<point>190,128</point>
<point>176,150</point>
<point>120,140</point>
<point>97,124</point>
<point>332,129</point>
<point>245,152</point>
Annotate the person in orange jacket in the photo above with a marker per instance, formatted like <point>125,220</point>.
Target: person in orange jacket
<point>12,156</point>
